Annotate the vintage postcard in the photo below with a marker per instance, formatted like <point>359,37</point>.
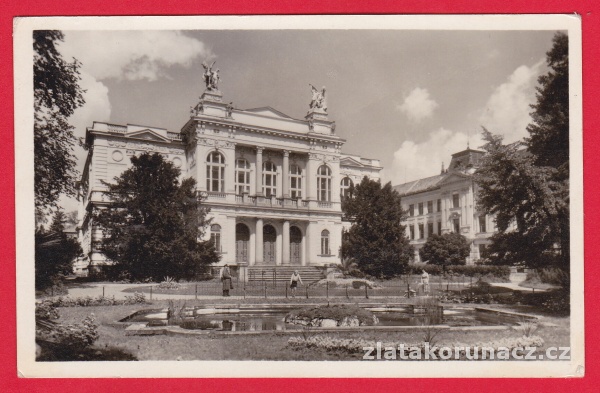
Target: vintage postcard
<point>253,196</point>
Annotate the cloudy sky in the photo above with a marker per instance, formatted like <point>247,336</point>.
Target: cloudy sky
<point>409,98</point>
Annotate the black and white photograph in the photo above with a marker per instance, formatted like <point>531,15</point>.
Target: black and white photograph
<point>254,196</point>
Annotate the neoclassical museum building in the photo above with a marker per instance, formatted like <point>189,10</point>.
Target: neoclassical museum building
<point>272,182</point>
<point>447,203</point>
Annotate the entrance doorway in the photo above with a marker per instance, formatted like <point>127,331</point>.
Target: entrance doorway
<point>295,246</point>
<point>242,238</point>
<point>269,249</point>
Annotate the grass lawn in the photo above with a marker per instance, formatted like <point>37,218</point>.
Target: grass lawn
<point>271,346</point>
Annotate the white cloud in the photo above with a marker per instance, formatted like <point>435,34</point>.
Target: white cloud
<point>417,105</point>
<point>507,110</point>
<point>132,55</point>
<point>414,161</point>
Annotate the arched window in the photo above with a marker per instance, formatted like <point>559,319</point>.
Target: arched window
<point>345,187</point>
<point>295,181</point>
<point>324,183</point>
<point>215,236</point>
<point>325,242</point>
<point>215,172</point>
<point>242,176</point>
<point>269,179</point>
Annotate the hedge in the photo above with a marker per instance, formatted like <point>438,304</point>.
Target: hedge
<point>502,272</point>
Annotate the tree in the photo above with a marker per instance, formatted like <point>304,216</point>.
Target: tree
<point>54,253</point>
<point>526,184</point>
<point>446,249</point>
<point>377,240</point>
<point>153,224</point>
<point>56,96</point>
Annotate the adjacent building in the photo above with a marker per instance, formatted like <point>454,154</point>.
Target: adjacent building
<point>447,203</point>
<point>273,182</point>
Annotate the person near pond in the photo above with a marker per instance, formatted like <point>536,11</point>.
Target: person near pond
<point>425,281</point>
<point>294,282</point>
<point>226,280</point>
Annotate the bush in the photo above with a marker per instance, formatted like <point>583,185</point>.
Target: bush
<point>88,301</point>
<point>486,271</point>
<point>551,275</point>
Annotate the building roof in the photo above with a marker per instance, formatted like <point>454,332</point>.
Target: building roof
<point>420,185</point>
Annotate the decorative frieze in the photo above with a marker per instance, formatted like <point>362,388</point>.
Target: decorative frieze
<point>323,157</point>
<point>216,143</point>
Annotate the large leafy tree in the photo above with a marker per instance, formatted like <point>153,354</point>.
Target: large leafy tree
<point>377,241</point>
<point>446,249</point>
<point>153,225</point>
<point>56,96</point>
<point>526,184</point>
<point>54,252</point>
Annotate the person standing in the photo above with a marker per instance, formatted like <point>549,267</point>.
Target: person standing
<point>425,281</point>
<point>294,282</point>
<point>226,280</point>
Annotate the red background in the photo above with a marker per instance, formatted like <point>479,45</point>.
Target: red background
<point>591,48</point>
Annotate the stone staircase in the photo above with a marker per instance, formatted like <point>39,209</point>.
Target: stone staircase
<point>283,273</point>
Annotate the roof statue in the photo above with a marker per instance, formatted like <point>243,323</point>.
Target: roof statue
<point>211,77</point>
<point>318,99</point>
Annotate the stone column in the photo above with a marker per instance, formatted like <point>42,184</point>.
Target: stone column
<point>444,213</point>
<point>259,172</point>
<point>286,176</point>
<point>285,257</point>
<point>258,257</point>
<point>463,208</point>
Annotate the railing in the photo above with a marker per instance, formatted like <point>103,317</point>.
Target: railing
<point>174,136</point>
<point>117,129</point>
<point>262,201</point>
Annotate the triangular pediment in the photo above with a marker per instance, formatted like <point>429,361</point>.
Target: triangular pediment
<point>148,135</point>
<point>268,111</point>
<point>348,161</point>
<point>453,177</point>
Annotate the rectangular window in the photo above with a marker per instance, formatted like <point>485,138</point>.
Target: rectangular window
<point>429,229</point>
<point>439,228</point>
<point>456,224</point>
<point>412,232</point>
<point>482,226</point>
<point>482,250</point>
<point>421,231</point>
<point>215,238</point>
<point>325,246</point>
<point>420,208</point>
<point>411,210</point>
<point>439,205</point>
<point>455,200</point>
<point>429,207</point>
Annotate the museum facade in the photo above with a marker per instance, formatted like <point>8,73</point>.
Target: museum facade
<point>273,183</point>
<point>447,203</point>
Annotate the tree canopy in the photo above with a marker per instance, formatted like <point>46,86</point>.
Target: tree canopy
<point>153,225</point>
<point>526,184</point>
<point>56,96</point>
<point>54,252</point>
<point>377,241</point>
<point>446,249</point>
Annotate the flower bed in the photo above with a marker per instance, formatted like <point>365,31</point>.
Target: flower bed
<point>357,346</point>
<point>88,301</point>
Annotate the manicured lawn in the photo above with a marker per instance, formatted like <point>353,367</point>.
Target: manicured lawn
<point>271,346</point>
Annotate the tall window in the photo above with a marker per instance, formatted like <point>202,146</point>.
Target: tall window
<point>345,187</point>
<point>412,232</point>
<point>295,181</point>
<point>439,232</point>
<point>482,227</point>
<point>324,183</point>
<point>411,210</point>
<point>429,207</point>
<point>456,225</point>
<point>429,229</point>
<point>269,179</point>
<point>420,208</point>
<point>215,172</point>
<point>215,236</point>
<point>325,242</point>
<point>421,231</point>
<point>242,176</point>
<point>439,205</point>
<point>455,200</point>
